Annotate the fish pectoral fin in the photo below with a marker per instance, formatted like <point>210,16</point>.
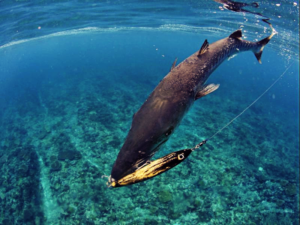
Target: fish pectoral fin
<point>206,89</point>
<point>236,34</point>
<point>203,48</point>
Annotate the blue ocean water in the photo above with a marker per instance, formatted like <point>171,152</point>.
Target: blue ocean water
<point>73,73</point>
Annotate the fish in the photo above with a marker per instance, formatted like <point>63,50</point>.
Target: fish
<point>239,6</point>
<point>154,123</point>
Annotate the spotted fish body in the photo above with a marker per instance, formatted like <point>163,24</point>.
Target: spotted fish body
<point>162,112</point>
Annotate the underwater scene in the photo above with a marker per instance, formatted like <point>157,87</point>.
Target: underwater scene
<point>88,113</point>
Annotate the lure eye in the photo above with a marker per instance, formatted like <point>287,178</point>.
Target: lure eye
<point>181,156</point>
<point>169,131</point>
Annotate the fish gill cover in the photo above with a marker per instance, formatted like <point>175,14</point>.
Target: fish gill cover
<point>72,74</point>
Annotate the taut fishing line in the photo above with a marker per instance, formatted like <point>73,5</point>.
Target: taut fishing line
<point>231,121</point>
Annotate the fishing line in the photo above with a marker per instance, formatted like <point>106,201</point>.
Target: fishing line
<point>231,121</point>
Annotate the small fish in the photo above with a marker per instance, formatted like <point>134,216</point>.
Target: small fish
<point>161,113</point>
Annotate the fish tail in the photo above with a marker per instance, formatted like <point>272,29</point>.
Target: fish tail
<point>262,43</point>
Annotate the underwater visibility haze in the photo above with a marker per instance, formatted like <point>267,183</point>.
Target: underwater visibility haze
<point>73,74</point>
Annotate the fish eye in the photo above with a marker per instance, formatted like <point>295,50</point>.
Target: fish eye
<point>169,131</point>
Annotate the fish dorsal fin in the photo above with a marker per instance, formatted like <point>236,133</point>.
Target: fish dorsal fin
<point>203,48</point>
<point>206,89</point>
<point>173,65</point>
<point>236,34</point>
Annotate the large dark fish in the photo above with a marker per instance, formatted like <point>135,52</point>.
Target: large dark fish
<point>162,112</point>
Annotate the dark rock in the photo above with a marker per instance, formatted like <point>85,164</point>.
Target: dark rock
<point>283,183</point>
<point>201,183</point>
<point>151,221</point>
<point>174,215</point>
<point>88,222</point>
<point>210,147</point>
<point>56,166</point>
<point>23,153</point>
<point>165,196</point>
<point>260,140</point>
<point>95,117</point>
<point>6,222</point>
<point>262,178</point>
<point>53,158</point>
<point>290,189</point>
<point>69,154</point>
<point>21,131</point>
<point>66,188</point>
<point>28,215</point>
<point>23,170</point>
<point>249,157</point>
<point>153,209</point>
<point>115,143</point>
<point>71,209</point>
<point>277,170</point>
<point>204,216</point>
<point>64,175</point>
<point>42,134</point>
<point>279,202</point>
<point>90,137</point>
<point>46,163</point>
<point>27,194</point>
